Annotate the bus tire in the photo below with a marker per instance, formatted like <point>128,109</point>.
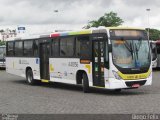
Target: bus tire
<point>85,83</point>
<point>29,77</point>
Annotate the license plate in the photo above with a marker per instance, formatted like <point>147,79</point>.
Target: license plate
<point>135,85</point>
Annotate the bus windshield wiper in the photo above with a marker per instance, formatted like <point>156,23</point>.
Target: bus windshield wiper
<point>138,47</point>
<point>128,46</point>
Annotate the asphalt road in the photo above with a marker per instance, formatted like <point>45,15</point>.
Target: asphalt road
<point>18,97</point>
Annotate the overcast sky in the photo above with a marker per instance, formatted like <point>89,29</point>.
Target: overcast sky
<point>39,15</point>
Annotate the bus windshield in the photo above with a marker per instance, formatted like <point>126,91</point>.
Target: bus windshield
<point>131,53</point>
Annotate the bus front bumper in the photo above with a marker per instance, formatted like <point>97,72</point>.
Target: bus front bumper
<point>2,65</point>
<point>123,84</point>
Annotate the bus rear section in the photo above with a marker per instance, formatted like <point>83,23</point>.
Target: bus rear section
<point>154,54</point>
<point>157,55</point>
<point>2,56</point>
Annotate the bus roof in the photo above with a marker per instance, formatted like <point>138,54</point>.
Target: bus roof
<point>80,32</point>
<point>100,29</point>
<point>89,31</point>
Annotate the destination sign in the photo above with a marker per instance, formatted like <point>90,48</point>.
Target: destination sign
<point>128,33</point>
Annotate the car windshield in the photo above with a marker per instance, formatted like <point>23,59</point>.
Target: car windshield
<point>131,53</point>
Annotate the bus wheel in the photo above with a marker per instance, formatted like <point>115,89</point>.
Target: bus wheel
<point>29,77</point>
<point>85,83</point>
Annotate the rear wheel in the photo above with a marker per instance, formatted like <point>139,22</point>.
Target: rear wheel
<point>29,77</point>
<point>85,83</point>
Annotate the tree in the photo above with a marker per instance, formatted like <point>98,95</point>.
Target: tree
<point>154,34</point>
<point>1,31</point>
<point>108,20</point>
<point>2,43</point>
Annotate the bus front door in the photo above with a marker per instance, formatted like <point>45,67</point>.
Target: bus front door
<point>98,63</point>
<point>44,60</point>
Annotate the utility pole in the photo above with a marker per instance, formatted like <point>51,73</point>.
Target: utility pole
<point>148,10</point>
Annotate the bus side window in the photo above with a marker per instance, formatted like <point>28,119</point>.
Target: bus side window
<point>63,47</point>
<point>10,48</point>
<point>84,47</point>
<point>35,47</point>
<point>67,46</point>
<point>70,46</point>
<point>77,48</point>
<point>28,48</point>
<point>55,47</point>
<point>18,48</point>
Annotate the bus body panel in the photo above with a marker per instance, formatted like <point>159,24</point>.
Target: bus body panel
<point>18,66</point>
<point>65,70</point>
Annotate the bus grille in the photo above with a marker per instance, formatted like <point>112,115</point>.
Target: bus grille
<point>130,84</point>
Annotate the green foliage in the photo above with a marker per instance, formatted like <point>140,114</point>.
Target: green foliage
<point>2,43</point>
<point>154,34</point>
<point>108,20</point>
<point>1,31</point>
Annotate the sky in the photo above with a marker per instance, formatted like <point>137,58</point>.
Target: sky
<point>40,16</point>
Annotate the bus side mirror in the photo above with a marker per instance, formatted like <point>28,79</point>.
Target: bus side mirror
<point>109,47</point>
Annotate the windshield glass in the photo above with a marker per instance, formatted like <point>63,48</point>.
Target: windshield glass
<point>131,53</point>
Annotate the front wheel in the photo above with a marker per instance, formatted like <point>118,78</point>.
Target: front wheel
<point>85,83</point>
<point>29,77</point>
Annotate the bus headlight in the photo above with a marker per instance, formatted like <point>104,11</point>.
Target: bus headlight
<point>116,75</point>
